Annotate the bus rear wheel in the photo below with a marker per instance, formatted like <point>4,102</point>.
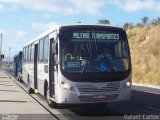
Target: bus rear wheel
<point>30,90</point>
<point>20,79</point>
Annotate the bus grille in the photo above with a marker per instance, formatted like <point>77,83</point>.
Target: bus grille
<point>96,90</point>
<point>108,98</point>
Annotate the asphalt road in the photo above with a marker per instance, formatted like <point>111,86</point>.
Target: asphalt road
<point>144,101</point>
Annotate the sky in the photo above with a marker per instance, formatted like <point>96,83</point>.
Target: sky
<point>23,20</point>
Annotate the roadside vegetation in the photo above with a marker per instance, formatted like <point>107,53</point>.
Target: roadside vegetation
<point>144,41</point>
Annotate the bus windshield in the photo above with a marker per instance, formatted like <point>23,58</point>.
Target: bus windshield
<point>90,51</point>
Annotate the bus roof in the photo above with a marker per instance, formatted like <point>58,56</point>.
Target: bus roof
<point>96,25</point>
<point>70,25</point>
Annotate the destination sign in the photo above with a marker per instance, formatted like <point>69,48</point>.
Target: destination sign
<point>95,36</point>
<point>80,35</point>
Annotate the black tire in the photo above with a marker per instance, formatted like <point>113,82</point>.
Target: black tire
<point>45,88</point>
<point>15,74</point>
<point>30,90</point>
<point>20,79</point>
<point>50,102</point>
<point>17,78</point>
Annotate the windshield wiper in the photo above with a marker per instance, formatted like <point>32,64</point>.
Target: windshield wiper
<point>84,66</point>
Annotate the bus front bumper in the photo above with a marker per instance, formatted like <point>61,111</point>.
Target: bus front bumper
<point>69,97</point>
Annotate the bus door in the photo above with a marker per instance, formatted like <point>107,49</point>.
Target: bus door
<point>52,72</point>
<point>35,65</point>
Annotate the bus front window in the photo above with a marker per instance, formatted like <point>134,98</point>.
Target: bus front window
<point>87,55</point>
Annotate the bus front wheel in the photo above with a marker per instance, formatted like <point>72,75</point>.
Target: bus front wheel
<point>50,102</point>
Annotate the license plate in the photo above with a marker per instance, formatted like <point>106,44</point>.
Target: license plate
<point>99,96</point>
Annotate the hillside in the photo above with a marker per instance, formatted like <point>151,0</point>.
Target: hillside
<point>145,53</point>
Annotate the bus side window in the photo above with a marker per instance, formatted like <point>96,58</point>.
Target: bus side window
<point>45,49</point>
<point>56,54</point>
<point>40,51</point>
<point>53,46</point>
<point>54,50</point>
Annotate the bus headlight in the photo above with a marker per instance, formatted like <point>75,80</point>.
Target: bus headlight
<point>127,84</point>
<point>66,86</point>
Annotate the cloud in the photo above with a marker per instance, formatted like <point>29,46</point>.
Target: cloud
<point>137,5</point>
<point>53,6</point>
<point>3,31</point>
<point>46,15</point>
<point>93,7</point>
<point>20,33</point>
<point>9,1</point>
<point>88,6</point>
<point>44,26</point>
<point>63,7</point>
<point>2,7</point>
<point>7,33</point>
